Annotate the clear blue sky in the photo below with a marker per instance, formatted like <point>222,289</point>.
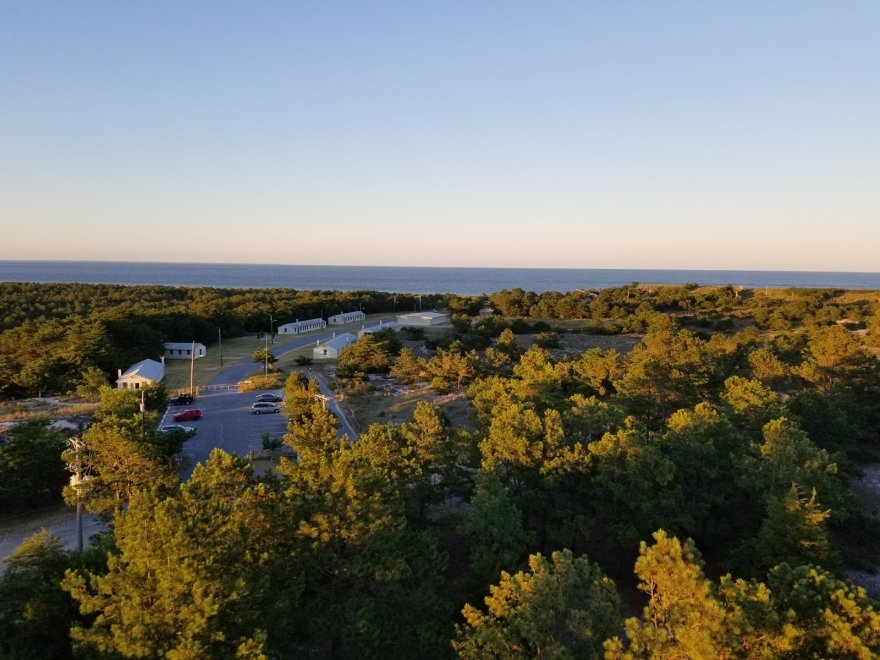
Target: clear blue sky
<point>614,134</point>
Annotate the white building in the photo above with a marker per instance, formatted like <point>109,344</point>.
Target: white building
<point>423,319</point>
<point>346,317</point>
<point>145,372</point>
<point>184,350</point>
<point>298,327</point>
<point>329,350</point>
<point>383,325</point>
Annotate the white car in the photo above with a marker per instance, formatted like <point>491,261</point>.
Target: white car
<point>264,407</point>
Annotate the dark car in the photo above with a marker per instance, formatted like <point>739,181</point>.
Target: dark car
<point>182,400</point>
<point>178,428</point>
<point>272,398</point>
<point>188,415</point>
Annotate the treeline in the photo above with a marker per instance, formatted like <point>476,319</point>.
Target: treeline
<point>62,338</point>
<point>626,308</point>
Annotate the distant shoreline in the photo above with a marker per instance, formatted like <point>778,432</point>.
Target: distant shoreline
<point>418,279</point>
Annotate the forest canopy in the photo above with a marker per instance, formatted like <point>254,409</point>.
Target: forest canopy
<point>692,496</point>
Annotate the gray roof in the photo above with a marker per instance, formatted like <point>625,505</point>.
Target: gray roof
<point>149,369</point>
<point>299,324</point>
<point>422,315</point>
<point>339,341</point>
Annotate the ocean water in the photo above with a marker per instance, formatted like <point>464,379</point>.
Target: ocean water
<point>400,279</point>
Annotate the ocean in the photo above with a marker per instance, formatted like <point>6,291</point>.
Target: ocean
<point>403,279</point>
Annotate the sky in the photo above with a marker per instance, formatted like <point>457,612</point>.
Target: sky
<point>582,134</point>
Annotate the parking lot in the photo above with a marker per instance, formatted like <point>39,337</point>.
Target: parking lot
<point>228,424</point>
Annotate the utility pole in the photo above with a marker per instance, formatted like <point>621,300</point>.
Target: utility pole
<point>220,346</point>
<point>143,423</point>
<point>192,366</point>
<point>267,356</point>
<point>75,450</point>
<point>271,328</point>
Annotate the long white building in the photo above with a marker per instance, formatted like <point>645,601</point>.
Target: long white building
<point>382,325</point>
<point>299,327</point>
<point>329,350</point>
<point>346,317</point>
<point>423,319</point>
<point>183,350</point>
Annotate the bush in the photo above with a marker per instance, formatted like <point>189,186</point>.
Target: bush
<point>412,334</point>
<point>547,340</point>
<point>441,385</point>
<point>261,382</point>
<point>270,443</point>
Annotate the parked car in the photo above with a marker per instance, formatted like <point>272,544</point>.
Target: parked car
<point>188,415</point>
<point>182,400</point>
<point>273,398</point>
<point>175,428</point>
<point>264,407</point>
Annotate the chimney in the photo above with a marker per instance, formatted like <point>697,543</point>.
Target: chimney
<point>119,373</point>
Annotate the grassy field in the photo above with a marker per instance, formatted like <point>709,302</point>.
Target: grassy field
<point>51,407</point>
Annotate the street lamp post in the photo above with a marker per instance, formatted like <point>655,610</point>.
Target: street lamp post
<point>78,478</point>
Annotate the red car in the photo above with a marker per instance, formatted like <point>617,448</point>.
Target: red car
<point>188,415</point>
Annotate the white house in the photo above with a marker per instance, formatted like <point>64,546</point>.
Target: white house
<point>383,325</point>
<point>145,372</point>
<point>329,350</point>
<point>423,319</point>
<point>184,350</point>
<point>298,327</point>
<point>346,317</point>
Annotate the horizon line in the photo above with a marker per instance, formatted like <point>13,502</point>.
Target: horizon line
<point>555,268</point>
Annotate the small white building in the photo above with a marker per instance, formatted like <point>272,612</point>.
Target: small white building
<point>329,350</point>
<point>346,317</point>
<point>299,327</point>
<point>382,325</point>
<point>145,372</point>
<point>184,350</point>
<point>423,319</point>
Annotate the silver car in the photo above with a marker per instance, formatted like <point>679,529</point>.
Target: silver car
<point>264,407</point>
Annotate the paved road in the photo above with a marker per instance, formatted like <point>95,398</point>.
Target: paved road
<point>244,368</point>
<point>60,520</point>
<point>344,425</point>
<point>229,425</point>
